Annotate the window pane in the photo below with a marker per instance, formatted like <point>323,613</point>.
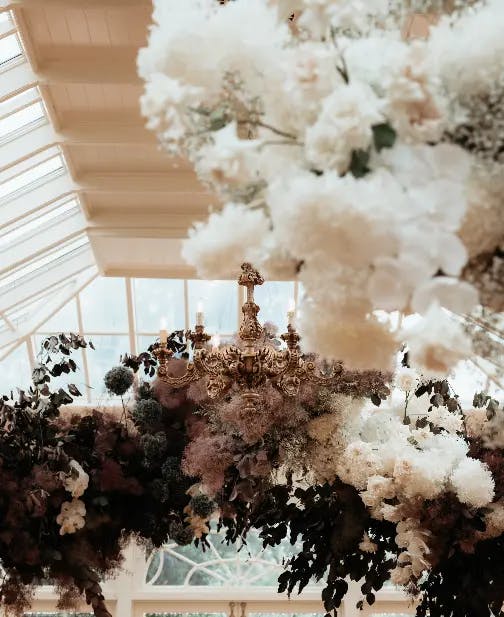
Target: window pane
<point>221,565</point>
<point>15,371</point>
<point>65,320</point>
<point>157,299</point>
<point>274,299</point>
<point>220,305</point>
<point>21,118</point>
<point>108,350</point>
<point>103,305</point>
<point>9,48</point>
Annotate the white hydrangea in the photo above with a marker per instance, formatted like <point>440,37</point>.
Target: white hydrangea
<point>344,124</point>
<point>406,379</point>
<point>473,483</point>
<point>358,463</point>
<point>228,239</point>
<point>71,517</point>
<point>228,160</point>
<point>77,480</point>
<point>436,343</point>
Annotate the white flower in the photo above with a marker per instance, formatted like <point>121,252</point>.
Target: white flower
<point>344,125</point>
<point>71,516</point>
<point>436,343</point>
<point>457,296</point>
<point>473,483</point>
<point>406,379</point>
<point>443,418</point>
<point>411,92</point>
<point>358,463</point>
<point>228,160</point>
<point>230,237</point>
<point>77,481</point>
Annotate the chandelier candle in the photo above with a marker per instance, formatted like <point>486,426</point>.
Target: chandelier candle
<point>163,332</point>
<point>200,315</point>
<point>291,312</point>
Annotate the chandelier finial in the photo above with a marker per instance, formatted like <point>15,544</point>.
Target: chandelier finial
<point>250,328</point>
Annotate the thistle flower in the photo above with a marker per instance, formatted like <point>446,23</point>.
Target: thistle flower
<point>119,380</point>
<point>147,411</point>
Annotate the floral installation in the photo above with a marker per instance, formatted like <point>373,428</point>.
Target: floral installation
<point>368,165</point>
<point>381,478</point>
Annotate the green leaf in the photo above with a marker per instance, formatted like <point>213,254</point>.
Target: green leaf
<point>384,136</point>
<point>359,164</point>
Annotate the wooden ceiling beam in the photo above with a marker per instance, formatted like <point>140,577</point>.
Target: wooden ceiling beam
<point>136,182</point>
<point>87,64</point>
<point>80,4</point>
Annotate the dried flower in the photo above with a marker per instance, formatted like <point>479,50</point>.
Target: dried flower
<point>119,380</point>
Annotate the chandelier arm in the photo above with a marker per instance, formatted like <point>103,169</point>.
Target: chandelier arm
<point>192,374</point>
<point>308,371</point>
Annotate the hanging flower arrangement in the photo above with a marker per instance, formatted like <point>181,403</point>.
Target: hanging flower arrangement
<point>375,487</point>
<point>368,165</point>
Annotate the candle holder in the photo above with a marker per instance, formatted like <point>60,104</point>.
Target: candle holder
<point>199,338</point>
<point>252,365</point>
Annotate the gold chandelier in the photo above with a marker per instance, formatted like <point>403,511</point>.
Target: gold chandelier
<point>250,366</point>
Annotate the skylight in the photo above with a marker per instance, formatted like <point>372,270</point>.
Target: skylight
<point>31,177</point>
<point>10,48</point>
<point>38,220</point>
<point>23,118</point>
<point>41,262</point>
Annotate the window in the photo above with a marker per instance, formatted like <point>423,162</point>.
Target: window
<point>275,299</point>
<point>220,565</point>
<point>103,306</point>
<point>157,299</point>
<point>219,300</point>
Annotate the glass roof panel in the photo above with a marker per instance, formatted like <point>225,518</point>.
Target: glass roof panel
<point>40,262</point>
<point>21,99</point>
<point>10,48</point>
<point>22,118</point>
<point>15,370</point>
<point>31,177</point>
<point>36,221</point>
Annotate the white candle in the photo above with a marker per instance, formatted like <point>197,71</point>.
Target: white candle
<point>200,315</point>
<point>163,332</point>
<point>215,342</point>
<point>291,312</point>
